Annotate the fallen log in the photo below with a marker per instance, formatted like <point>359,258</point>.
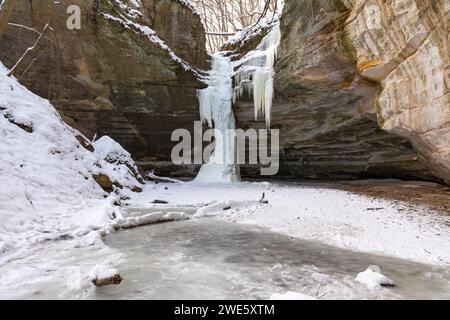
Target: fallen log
<point>112,280</point>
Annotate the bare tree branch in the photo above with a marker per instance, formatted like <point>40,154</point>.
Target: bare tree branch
<point>47,27</point>
<point>224,18</point>
<point>29,29</point>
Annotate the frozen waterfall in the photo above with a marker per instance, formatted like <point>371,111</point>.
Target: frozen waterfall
<point>254,77</point>
<point>216,111</point>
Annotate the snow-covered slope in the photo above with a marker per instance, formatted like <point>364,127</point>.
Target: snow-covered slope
<point>47,189</point>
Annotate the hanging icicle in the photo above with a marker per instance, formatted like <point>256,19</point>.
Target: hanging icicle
<point>258,71</point>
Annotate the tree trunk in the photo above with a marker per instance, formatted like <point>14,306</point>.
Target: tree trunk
<point>6,9</point>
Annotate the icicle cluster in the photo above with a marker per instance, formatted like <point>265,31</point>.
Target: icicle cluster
<point>256,73</point>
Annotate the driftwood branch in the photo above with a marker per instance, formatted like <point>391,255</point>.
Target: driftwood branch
<point>101,282</point>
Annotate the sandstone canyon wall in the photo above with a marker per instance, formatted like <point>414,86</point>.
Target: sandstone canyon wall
<point>405,47</point>
<point>359,102</point>
<point>112,78</point>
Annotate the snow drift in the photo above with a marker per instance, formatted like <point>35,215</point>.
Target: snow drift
<point>47,185</point>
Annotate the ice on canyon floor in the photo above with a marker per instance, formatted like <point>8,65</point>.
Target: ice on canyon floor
<point>246,262</point>
<point>241,260</point>
<point>235,261</point>
<point>315,212</point>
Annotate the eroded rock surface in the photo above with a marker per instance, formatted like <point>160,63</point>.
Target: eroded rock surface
<point>110,79</point>
<point>405,46</point>
<point>353,102</point>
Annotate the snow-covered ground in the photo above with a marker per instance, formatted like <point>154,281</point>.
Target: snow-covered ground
<point>333,217</point>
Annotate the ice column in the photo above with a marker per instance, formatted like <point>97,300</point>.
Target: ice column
<point>216,111</point>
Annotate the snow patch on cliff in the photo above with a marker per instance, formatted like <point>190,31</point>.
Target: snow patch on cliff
<point>153,37</point>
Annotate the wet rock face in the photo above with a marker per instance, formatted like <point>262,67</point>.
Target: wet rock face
<point>335,120</point>
<point>110,80</point>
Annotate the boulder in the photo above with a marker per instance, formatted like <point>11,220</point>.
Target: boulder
<point>114,167</point>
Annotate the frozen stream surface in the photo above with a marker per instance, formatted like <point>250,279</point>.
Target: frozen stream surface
<point>212,259</point>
